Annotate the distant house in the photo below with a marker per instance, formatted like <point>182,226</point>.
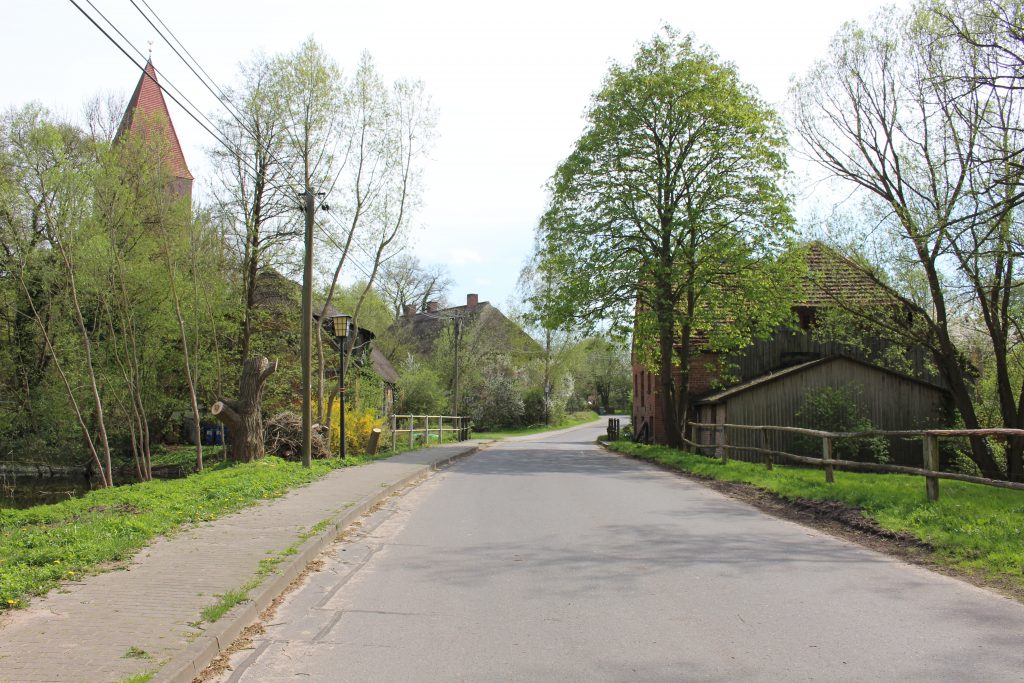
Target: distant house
<point>494,331</point>
<point>767,382</point>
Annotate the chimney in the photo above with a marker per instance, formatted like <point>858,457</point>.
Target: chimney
<point>432,307</point>
<point>410,310</point>
<point>471,301</point>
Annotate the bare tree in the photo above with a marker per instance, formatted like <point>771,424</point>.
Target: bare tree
<point>254,189</point>
<point>911,115</point>
<point>404,281</point>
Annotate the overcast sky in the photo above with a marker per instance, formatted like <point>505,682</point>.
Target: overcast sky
<point>510,82</point>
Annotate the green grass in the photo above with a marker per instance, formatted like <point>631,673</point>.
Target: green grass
<point>225,603</point>
<point>136,653</point>
<point>973,528</point>
<point>185,456</point>
<point>143,677</point>
<point>573,420</point>
<point>44,545</point>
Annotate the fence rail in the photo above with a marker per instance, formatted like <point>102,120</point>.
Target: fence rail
<point>929,451</point>
<point>430,425</point>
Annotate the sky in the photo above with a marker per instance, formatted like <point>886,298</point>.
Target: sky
<point>510,82</point>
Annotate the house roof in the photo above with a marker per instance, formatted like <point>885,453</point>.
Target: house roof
<point>832,277</point>
<point>146,113</point>
<point>429,325</point>
<point>426,327</point>
<point>274,289</point>
<point>797,369</point>
<point>383,367</point>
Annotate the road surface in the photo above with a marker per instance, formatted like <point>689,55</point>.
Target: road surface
<point>548,559</point>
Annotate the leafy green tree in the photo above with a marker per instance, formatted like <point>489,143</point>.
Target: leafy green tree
<point>419,389</point>
<point>669,212</point>
<point>604,373</point>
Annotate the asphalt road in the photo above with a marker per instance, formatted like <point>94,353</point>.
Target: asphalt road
<point>547,559</point>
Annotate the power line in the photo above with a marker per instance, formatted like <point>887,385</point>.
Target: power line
<point>222,99</point>
<point>143,68</point>
<point>222,95</point>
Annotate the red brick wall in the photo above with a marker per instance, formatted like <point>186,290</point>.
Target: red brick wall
<point>646,407</point>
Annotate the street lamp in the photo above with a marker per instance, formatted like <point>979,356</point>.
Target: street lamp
<point>340,326</point>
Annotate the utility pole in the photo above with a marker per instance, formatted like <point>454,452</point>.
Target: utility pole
<point>309,207</point>
<point>547,376</point>
<point>458,335</point>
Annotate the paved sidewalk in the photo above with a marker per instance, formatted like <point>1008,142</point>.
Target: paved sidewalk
<point>85,631</point>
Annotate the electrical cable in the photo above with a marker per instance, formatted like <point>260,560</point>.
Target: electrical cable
<point>330,238</point>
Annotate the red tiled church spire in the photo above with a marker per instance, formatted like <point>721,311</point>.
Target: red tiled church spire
<point>147,111</point>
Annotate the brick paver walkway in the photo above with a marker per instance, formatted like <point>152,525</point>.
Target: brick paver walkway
<point>84,631</point>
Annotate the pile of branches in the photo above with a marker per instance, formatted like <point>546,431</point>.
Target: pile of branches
<point>283,435</point>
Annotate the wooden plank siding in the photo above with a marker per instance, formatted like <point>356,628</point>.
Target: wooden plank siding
<point>788,347</point>
<point>891,401</point>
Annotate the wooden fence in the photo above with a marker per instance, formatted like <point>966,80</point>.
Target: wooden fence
<point>426,426</point>
<point>929,451</point>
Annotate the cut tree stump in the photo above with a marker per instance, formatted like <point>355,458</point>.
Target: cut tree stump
<point>244,417</point>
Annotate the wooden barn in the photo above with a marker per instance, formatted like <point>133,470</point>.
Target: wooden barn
<point>768,381</point>
<point>892,401</point>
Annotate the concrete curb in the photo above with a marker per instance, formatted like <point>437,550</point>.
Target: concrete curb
<point>199,654</point>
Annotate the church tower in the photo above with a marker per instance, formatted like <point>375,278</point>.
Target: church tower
<point>147,115</point>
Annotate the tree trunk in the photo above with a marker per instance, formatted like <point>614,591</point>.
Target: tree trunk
<point>244,417</point>
<point>673,436</point>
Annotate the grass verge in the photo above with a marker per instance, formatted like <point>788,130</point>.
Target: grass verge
<point>973,529</point>
<point>572,420</point>
<point>44,545</point>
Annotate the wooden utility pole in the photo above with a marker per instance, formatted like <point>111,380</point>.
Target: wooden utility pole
<point>458,335</point>
<point>309,207</point>
<point>547,376</point>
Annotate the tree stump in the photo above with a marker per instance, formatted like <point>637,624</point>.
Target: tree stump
<point>244,417</point>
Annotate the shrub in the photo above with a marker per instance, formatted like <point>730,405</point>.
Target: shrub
<point>359,422</point>
<point>419,390</point>
<point>497,403</point>
<point>838,409</point>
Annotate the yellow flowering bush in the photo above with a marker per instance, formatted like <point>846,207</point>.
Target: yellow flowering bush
<point>358,425</point>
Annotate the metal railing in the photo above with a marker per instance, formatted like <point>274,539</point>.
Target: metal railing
<point>427,426</point>
<point>827,461</point>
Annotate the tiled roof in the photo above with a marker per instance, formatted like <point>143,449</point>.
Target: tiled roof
<point>145,109</point>
<point>832,277</point>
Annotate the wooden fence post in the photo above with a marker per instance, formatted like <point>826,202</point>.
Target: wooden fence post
<point>412,428</point>
<point>764,444</point>
<point>930,444</point>
<point>394,432</point>
<point>826,455</point>
<point>725,446</point>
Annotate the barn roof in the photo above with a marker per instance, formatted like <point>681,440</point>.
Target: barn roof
<point>832,277</point>
<point>147,112</point>
<point>802,367</point>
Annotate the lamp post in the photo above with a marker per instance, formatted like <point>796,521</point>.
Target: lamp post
<point>340,326</point>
